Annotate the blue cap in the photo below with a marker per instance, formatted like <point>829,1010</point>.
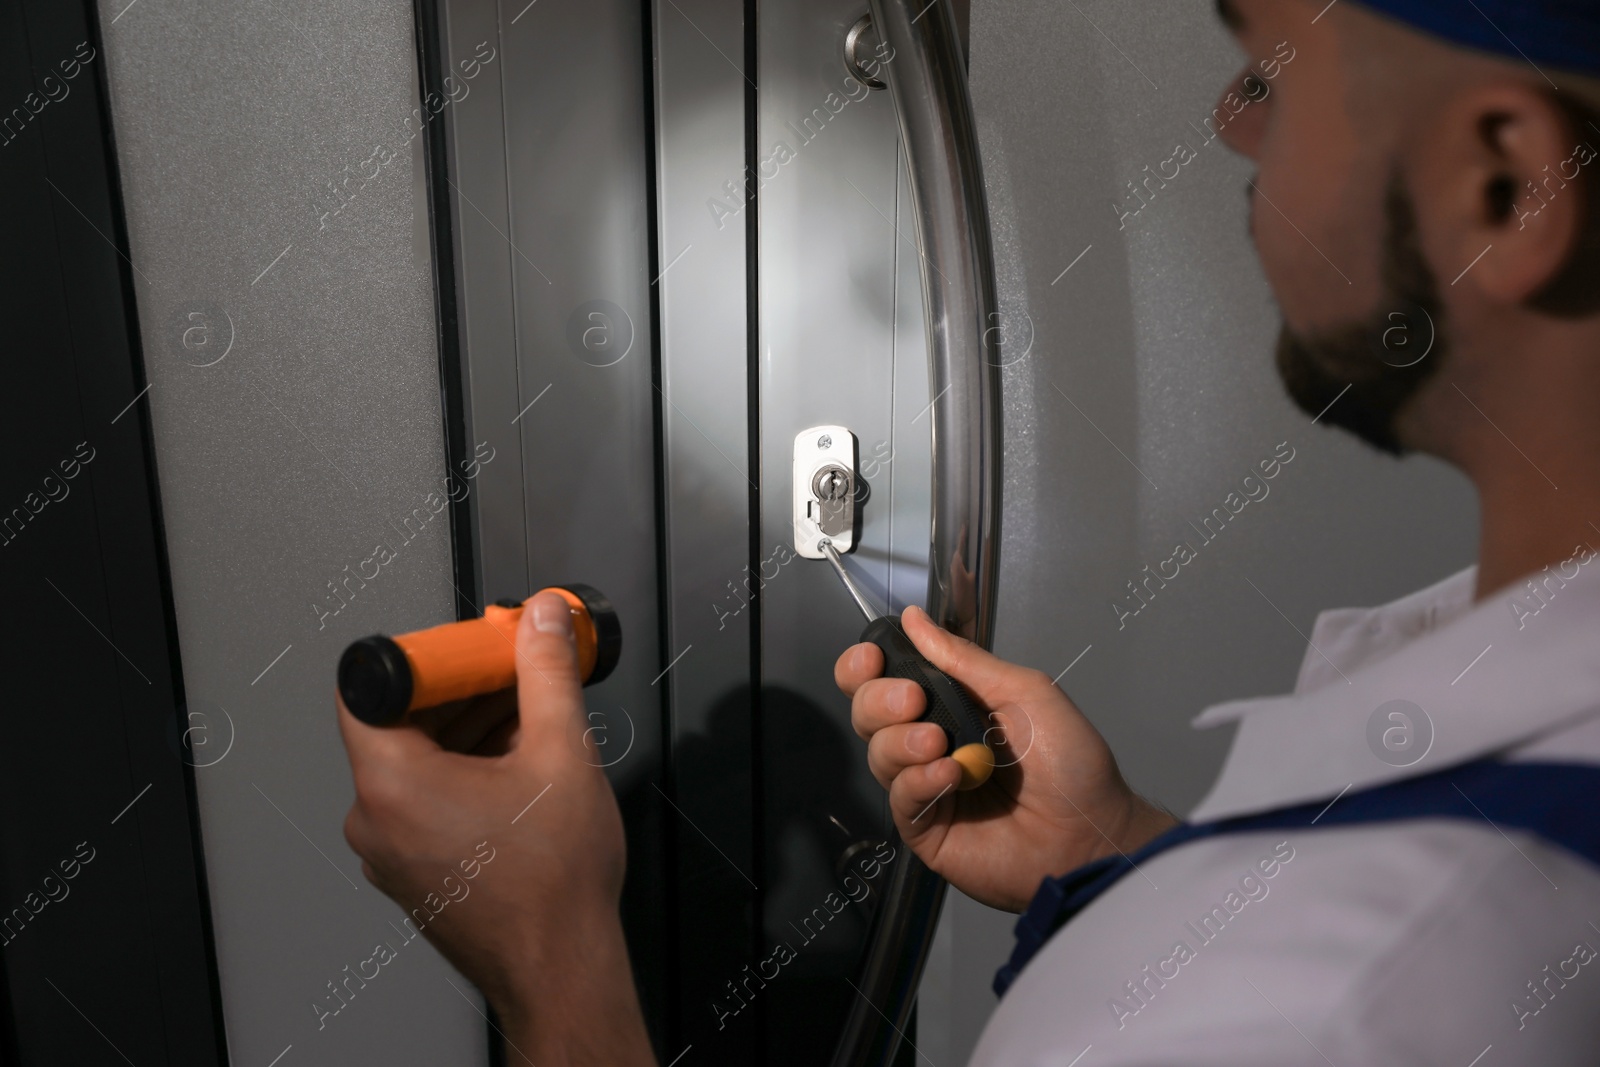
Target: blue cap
<point>1561,33</point>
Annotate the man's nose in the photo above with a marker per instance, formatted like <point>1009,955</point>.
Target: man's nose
<point>1240,113</point>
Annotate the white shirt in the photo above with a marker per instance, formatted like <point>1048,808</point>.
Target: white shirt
<point>1415,942</point>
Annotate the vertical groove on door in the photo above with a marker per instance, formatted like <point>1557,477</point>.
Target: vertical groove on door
<point>669,1026</point>
<point>453,400</point>
<point>752,119</point>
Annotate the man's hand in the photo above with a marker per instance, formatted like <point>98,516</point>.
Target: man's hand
<point>1056,799</point>
<point>535,925</point>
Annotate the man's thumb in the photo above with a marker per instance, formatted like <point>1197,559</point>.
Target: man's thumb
<point>984,674</point>
<point>549,691</point>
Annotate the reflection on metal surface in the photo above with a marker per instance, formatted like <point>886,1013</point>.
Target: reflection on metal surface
<point>928,80</point>
<point>843,866</point>
<point>708,659</point>
<point>887,987</point>
<point>860,40</point>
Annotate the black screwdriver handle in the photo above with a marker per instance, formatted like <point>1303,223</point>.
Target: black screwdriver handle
<point>949,706</point>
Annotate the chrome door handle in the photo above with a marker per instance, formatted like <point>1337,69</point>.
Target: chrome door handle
<point>927,77</point>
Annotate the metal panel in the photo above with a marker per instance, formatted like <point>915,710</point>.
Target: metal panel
<point>297,430</point>
<point>839,343</point>
<point>553,259</point>
<point>702,81</point>
<point>1148,391</point>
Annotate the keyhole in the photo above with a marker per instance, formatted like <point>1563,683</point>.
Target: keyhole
<point>831,485</point>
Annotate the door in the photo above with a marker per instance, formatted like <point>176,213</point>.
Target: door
<point>743,270</point>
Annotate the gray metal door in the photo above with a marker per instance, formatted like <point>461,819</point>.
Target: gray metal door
<point>642,307</point>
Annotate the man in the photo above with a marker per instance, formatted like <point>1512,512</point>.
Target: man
<point>1400,862</point>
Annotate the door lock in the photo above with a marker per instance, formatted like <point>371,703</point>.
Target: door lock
<point>825,497</point>
<point>832,484</point>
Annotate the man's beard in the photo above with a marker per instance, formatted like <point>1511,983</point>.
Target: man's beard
<point>1359,376</point>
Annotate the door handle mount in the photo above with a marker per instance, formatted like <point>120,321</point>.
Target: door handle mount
<point>860,43</point>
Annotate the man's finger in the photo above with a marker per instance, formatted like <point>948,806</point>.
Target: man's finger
<point>479,718</point>
<point>896,748</point>
<point>381,745</point>
<point>549,691</point>
<point>857,665</point>
<point>386,763</point>
<point>917,797</point>
<point>499,741</point>
<point>883,702</point>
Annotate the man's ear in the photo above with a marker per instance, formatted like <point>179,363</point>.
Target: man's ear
<point>1508,177</point>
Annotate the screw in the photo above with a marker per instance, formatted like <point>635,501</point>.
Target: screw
<point>825,441</point>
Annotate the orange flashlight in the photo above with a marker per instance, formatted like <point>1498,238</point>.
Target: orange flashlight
<point>384,679</point>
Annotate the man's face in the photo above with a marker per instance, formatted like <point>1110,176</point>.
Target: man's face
<point>1360,375</point>
<point>1332,223</point>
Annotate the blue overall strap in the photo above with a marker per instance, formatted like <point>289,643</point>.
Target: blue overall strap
<point>1554,801</point>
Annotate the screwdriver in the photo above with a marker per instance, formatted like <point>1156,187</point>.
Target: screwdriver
<point>948,705</point>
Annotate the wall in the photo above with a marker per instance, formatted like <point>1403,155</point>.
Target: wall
<point>1147,395</point>
<point>288,332</point>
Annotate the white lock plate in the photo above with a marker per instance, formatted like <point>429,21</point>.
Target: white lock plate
<point>824,464</point>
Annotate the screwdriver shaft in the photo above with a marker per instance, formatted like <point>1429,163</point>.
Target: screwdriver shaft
<point>849,583</point>
<point>949,706</point>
